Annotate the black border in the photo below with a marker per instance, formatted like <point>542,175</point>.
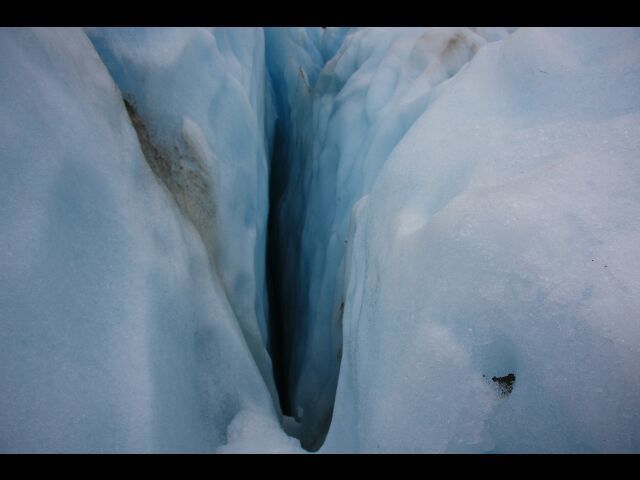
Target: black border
<point>318,13</point>
<point>327,466</point>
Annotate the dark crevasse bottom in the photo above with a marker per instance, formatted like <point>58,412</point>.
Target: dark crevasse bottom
<point>284,326</point>
<point>279,331</point>
<point>285,329</point>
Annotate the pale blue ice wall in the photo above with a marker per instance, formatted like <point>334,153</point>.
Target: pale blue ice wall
<point>500,237</point>
<point>204,96</point>
<point>347,97</point>
<point>116,332</point>
<point>462,204</point>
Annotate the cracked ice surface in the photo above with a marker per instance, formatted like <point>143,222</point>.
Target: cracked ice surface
<point>456,229</point>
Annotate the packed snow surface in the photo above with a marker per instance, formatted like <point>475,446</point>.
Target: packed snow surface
<point>453,239</point>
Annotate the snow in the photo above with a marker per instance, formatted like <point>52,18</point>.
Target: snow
<point>253,432</point>
<point>116,336</point>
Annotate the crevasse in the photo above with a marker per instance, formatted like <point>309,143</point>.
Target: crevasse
<point>455,201</point>
<point>344,105</point>
<point>369,239</point>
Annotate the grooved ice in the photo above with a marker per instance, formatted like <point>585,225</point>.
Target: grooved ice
<point>342,239</point>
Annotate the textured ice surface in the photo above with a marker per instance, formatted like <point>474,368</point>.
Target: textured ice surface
<point>342,120</point>
<point>457,229</point>
<point>501,237</point>
<point>115,336</point>
<point>204,98</point>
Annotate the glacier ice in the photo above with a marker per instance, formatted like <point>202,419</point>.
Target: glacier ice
<point>204,99</point>
<point>116,336</point>
<point>343,118</point>
<point>447,219</point>
<point>461,207</point>
<point>500,237</point>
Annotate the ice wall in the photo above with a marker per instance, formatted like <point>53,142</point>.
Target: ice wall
<point>116,333</point>
<point>341,120</point>
<point>491,295</point>
<point>203,98</point>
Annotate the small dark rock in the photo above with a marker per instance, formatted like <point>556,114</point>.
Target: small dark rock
<point>505,383</point>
